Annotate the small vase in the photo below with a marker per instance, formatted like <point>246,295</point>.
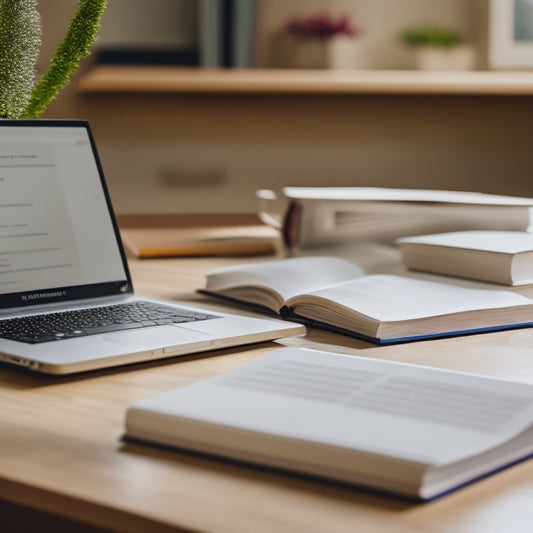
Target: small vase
<point>309,53</point>
<point>460,57</point>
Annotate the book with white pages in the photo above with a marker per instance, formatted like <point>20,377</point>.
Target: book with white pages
<point>404,429</point>
<point>504,257</point>
<point>319,216</point>
<point>335,294</point>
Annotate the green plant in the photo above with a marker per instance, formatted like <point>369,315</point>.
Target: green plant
<point>20,43</point>
<point>431,36</point>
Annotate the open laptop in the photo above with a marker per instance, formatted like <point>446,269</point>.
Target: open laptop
<point>66,298</point>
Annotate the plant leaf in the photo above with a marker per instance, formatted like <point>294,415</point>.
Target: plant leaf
<point>20,42</point>
<point>80,37</point>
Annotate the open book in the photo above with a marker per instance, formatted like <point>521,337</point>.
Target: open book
<point>335,294</point>
<point>412,430</point>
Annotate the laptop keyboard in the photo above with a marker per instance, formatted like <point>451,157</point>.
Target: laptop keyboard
<point>78,323</point>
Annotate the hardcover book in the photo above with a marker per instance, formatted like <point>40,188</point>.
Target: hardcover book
<point>326,215</point>
<point>504,257</point>
<point>336,294</point>
<point>411,430</point>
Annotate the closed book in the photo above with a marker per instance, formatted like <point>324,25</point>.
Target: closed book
<point>328,215</point>
<point>243,33</point>
<point>210,33</point>
<point>504,257</point>
<point>200,241</point>
<point>411,430</point>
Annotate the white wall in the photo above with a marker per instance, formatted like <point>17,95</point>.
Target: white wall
<point>191,153</point>
<point>174,23</point>
<point>381,21</point>
<point>150,23</point>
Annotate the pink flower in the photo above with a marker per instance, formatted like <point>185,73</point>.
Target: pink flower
<point>320,27</point>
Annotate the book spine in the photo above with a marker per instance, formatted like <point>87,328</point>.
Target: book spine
<point>289,229</point>
<point>210,29</point>
<point>227,32</point>
<point>243,33</point>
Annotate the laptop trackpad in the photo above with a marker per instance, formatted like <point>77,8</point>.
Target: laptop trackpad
<point>157,337</point>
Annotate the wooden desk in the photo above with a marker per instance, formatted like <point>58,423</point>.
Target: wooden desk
<point>61,453</point>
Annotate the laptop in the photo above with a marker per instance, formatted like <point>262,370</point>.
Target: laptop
<point>67,302</point>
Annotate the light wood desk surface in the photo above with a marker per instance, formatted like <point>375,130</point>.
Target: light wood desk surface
<point>60,447</point>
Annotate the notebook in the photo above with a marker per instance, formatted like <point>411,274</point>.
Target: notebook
<point>67,302</point>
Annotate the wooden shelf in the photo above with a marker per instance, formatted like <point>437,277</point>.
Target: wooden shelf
<point>131,79</point>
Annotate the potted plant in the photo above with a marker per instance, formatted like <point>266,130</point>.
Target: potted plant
<point>318,41</point>
<point>438,48</point>
<point>20,41</point>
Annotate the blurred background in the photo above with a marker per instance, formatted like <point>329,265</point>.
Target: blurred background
<point>185,151</point>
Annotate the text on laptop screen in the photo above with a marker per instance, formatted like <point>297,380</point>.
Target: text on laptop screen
<point>56,230</point>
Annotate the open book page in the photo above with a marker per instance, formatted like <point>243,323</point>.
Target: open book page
<point>394,299</point>
<point>382,396</point>
<point>409,414</point>
<point>270,283</point>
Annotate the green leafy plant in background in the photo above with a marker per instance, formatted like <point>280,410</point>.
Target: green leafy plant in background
<point>20,43</point>
<point>431,36</point>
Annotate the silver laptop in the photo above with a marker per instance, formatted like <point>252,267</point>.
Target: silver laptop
<point>66,298</point>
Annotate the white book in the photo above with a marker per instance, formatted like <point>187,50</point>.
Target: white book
<point>326,215</point>
<point>400,428</point>
<point>336,294</point>
<point>385,194</point>
<point>504,257</point>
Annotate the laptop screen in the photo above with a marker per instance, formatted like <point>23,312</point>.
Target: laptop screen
<point>58,237</point>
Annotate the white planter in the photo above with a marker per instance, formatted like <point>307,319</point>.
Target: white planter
<point>333,53</point>
<point>456,58</point>
<point>343,53</point>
